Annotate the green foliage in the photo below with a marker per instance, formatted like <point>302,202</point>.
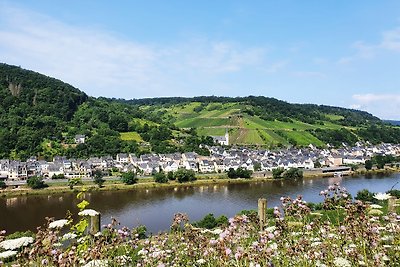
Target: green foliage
<point>239,173</point>
<point>368,164</point>
<point>210,222</point>
<point>381,160</point>
<point>74,181</point>
<point>394,193</point>
<point>277,173</point>
<point>19,234</point>
<point>171,175</point>
<point>184,175</point>
<point>293,174</point>
<point>2,184</point>
<point>129,178</point>
<point>160,177</point>
<point>365,195</point>
<point>36,182</point>
<point>98,178</point>
<point>257,166</point>
<point>58,176</point>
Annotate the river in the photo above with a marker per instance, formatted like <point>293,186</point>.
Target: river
<point>156,207</point>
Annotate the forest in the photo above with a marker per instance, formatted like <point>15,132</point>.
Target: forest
<point>40,116</point>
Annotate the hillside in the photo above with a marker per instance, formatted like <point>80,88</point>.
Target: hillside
<point>40,116</point>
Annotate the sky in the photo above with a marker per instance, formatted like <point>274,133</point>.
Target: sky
<point>339,53</point>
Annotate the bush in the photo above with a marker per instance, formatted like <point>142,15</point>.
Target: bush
<point>74,181</point>
<point>184,175</point>
<point>58,176</point>
<point>2,184</point>
<point>171,175</point>
<point>98,178</point>
<point>365,195</point>
<point>210,222</point>
<point>293,174</point>
<point>160,177</point>
<point>394,193</point>
<point>239,173</point>
<point>129,178</point>
<point>277,173</point>
<point>368,165</point>
<point>36,182</point>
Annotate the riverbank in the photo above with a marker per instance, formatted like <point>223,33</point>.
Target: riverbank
<point>148,183</point>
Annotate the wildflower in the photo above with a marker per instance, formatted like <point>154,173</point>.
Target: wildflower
<point>201,261</point>
<point>96,263</point>
<point>68,236</point>
<point>88,212</point>
<point>382,196</point>
<point>375,206</point>
<point>216,231</point>
<point>375,212</point>
<point>270,229</point>
<point>341,262</point>
<point>7,254</point>
<point>16,243</point>
<point>58,224</point>
<point>228,251</point>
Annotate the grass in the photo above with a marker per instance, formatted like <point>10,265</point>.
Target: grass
<point>202,122</point>
<point>131,136</point>
<point>304,138</point>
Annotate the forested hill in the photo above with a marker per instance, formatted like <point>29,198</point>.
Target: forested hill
<point>271,109</point>
<point>40,116</point>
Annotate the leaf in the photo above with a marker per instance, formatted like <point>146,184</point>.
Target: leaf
<point>82,205</point>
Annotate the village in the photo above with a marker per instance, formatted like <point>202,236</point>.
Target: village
<point>220,160</point>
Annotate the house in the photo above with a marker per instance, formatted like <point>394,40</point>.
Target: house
<point>17,171</point>
<point>123,158</point>
<point>206,166</point>
<point>222,140</point>
<point>80,139</point>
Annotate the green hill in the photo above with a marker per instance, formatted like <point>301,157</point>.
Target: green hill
<point>40,116</point>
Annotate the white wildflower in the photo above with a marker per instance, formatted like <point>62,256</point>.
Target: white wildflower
<point>201,261</point>
<point>382,196</point>
<point>58,224</point>
<point>17,243</point>
<point>315,244</point>
<point>7,254</point>
<point>341,262</point>
<point>96,263</point>
<point>216,231</point>
<point>375,212</point>
<point>375,206</point>
<point>88,212</point>
<point>270,229</point>
<point>69,236</point>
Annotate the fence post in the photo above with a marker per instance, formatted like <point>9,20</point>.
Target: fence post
<point>391,204</point>
<point>94,224</point>
<point>262,209</point>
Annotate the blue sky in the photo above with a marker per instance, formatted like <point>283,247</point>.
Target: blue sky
<point>341,53</point>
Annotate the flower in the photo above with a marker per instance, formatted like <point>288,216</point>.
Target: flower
<point>7,254</point>
<point>88,212</point>
<point>341,262</point>
<point>58,224</point>
<point>201,261</point>
<point>69,236</point>
<point>382,196</point>
<point>216,231</point>
<point>375,212</point>
<point>375,206</point>
<point>96,263</point>
<point>16,243</point>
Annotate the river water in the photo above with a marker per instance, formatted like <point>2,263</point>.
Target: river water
<point>155,207</point>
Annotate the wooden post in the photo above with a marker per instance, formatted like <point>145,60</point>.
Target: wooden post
<point>391,204</point>
<point>94,224</point>
<point>262,209</point>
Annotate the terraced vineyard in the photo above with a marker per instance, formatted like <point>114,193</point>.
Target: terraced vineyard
<point>214,119</point>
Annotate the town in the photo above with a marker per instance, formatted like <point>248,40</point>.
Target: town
<point>220,160</point>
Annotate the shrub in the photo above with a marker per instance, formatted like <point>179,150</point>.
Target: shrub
<point>365,195</point>
<point>98,178</point>
<point>184,175</point>
<point>129,178</point>
<point>293,174</point>
<point>36,182</point>
<point>2,184</point>
<point>277,173</point>
<point>160,177</point>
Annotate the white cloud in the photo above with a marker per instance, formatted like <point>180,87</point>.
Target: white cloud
<point>386,106</point>
<point>104,65</point>
<point>307,74</point>
<point>363,51</point>
<point>391,40</point>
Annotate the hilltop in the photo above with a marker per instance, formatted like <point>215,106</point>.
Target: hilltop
<point>41,116</point>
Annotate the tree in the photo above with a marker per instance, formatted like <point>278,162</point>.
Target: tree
<point>184,175</point>
<point>365,195</point>
<point>74,181</point>
<point>36,182</point>
<point>160,177</point>
<point>2,184</point>
<point>171,175</point>
<point>129,178</point>
<point>277,173</point>
<point>232,173</point>
<point>257,166</point>
<point>368,164</point>
<point>98,178</point>
<point>293,174</point>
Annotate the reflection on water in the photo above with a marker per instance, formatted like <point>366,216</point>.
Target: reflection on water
<point>155,207</point>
